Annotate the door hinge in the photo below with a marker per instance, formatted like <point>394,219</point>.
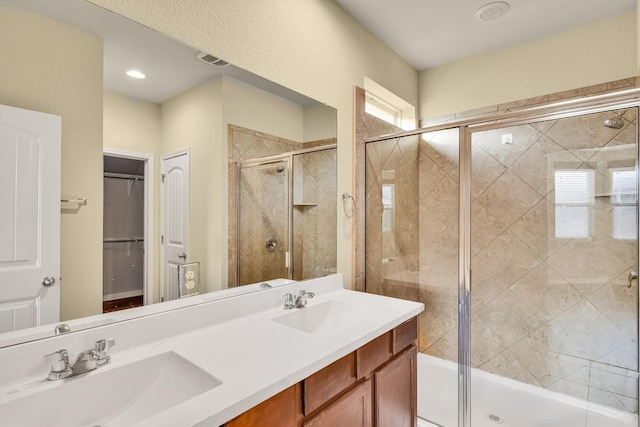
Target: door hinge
<point>162,239</point>
<point>162,177</point>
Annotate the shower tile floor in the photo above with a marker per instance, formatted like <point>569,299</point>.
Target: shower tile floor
<point>501,402</point>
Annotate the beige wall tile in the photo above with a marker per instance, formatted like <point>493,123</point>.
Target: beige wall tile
<point>545,292</point>
<point>508,198</point>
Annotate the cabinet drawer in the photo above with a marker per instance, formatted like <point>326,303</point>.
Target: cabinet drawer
<point>327,383</point>
<point>283,409</point>
<point>405,334</point>
<point>373,354</point>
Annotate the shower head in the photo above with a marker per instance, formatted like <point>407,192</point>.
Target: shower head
<point>616,122</point>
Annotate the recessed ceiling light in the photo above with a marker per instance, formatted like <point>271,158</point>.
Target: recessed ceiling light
<point>492,11</point>
<point>136,74</point>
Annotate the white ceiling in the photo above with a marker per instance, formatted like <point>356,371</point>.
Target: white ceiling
<point>428,33</point>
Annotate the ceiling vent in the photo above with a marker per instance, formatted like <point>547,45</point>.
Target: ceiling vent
<point>210,59</point>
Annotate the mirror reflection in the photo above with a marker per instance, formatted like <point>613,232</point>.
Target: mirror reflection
<point>181,170</point>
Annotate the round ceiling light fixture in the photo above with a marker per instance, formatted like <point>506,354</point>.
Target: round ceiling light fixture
<point>492,11</point>
<point>136,74</point>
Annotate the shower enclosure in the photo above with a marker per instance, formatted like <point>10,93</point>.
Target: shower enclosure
<point>286,216</point>
<point>519,234</point>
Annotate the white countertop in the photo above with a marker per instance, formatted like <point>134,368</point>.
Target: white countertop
<point>255,357</point>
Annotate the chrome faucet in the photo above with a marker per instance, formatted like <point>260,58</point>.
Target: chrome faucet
<point>86,361</point>
<point>298,301</point>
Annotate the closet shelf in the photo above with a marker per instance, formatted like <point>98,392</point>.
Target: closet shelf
<point>123,240</point>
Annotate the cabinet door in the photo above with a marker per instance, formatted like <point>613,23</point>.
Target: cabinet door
<point>352,409</point>
<point>396,392</point>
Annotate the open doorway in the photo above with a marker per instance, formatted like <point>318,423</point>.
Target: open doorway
<point>127,249</point>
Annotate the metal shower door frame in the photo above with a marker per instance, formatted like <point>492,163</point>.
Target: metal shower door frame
<point>284,157</point>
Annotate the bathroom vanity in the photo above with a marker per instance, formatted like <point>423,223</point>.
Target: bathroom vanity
<point>373,385</point>
<point>346,355</point>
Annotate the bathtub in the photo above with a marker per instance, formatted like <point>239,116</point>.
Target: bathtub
<point>502,402</point>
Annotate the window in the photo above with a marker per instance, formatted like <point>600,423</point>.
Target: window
<point>623,199</point>
<point>387,207</point>
<point>574,199</point>
<point>387,106</point>
<point>383,110</point>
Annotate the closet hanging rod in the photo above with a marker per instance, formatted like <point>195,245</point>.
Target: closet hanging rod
<point>133,240</point>
<point>81,201</point>
<point>123,176</point>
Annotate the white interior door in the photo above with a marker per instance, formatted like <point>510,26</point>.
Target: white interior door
<point>175,220</point>
<point>29,218</point>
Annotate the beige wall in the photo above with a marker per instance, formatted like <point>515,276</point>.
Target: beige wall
<point>595,53</point>
<point>191,121</point>
<point>57,69</point>
<point>131,124</point>
<point>319,123</point>
<point>249,107</point>
<point>312,46</point>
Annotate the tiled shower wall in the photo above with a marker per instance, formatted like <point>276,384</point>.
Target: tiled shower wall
<point>551,305</point>
<point>264,203</point>
<point>318,182</point>
<point>314,214</point>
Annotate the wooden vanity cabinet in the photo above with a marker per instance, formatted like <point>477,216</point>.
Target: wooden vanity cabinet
<point>283,409</point>
<point>372,386</point>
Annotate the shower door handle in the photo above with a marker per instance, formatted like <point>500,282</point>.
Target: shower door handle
<point>632,275</point>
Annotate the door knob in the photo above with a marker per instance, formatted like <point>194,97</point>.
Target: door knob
<point>48,281</point>
<point>183,255</point>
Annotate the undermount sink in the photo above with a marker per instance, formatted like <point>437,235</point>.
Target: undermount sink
<point>324,319</point>
<point>113,397</point>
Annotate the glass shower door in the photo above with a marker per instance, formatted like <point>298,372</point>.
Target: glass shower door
<point>554,256</point>
<point>263,222</point>
<point>412,252</point>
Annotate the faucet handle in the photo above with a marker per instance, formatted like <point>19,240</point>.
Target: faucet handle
<point>59,362</point>
<point>303,296</point>
<point>288,301</point>
<point>102,348</point>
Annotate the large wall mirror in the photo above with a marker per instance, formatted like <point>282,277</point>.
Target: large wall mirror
<point>200,176</point>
